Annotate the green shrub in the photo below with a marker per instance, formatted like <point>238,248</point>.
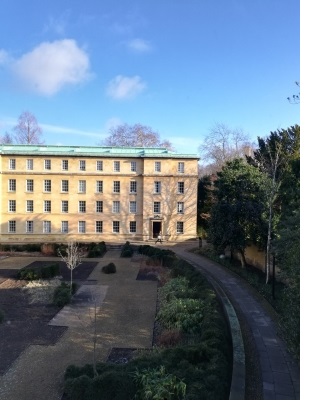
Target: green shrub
<point>127,250</point>
<point>176,288</point>
<point>109,268</point>
<point>48,271</point>
<point>62,295</point>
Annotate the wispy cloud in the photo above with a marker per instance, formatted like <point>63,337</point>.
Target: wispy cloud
<point>53,65</point>
<point>57,25</point>
<point>123,87</point>
<point>55,129</point>
<point>139,45</point>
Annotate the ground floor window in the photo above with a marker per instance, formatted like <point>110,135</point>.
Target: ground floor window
<point>29,226</point>
<point>98,226</point>
<point>115,226</point>
<point>64,226</point>
<point>132,226</point>
<point>46,226</point>
<point>12,226</point>
<point>81,227</point>
<point>180,227</point>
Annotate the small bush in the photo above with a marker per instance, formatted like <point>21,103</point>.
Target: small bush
<point>62,296</point>
<point>127,250</point>
<point>109,268</point>
<point>170,338</point>
<point>48,271</point>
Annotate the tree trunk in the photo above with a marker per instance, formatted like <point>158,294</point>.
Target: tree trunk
<point>243,259</point>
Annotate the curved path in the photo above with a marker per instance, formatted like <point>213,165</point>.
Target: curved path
<point>279,372</point>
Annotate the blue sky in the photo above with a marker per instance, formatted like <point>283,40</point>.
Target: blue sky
<point>178,66</point>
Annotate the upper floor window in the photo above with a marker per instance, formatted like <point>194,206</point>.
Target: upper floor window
<point>99,165</point>
<point>47,206</point>
<point>29,164</point>
<point>157,166</point>
<point>157,187</point>
<point>12,185</point>
<point>12,164</point>
<point>47,164</point>
<point>12,226</point>
<point>82,165</point>
<point>180,208</point>
<point>12,205</point>
<point>82,186</point>
<point>64,206</point>
<point>132,207</point>
<point>133,166</point>
<point>116,186</point>
<point>180,187</point>
<point>180,167</point>
<point>29,206</point>
<point>157,207</point>
<point>29,185</point>
<point>64,186</point>
<point>29,227</point>
<point>64,164</point>
<point>132,187</point>
<point>47,186</point>
<point>116,207</point>
<point>116,166</point>
<point>99,186</point>
<point>99,206</point>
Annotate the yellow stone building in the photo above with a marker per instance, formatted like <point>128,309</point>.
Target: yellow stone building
<point>92,194</point>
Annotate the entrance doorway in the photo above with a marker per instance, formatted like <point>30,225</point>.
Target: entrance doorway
<point>156,228</point>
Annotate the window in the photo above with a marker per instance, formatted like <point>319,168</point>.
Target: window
<point>47,164</point>
<point>47,186</point>
<point>29,164</point>
<point>133,187</point>
<point>12,205</point>
<point>64,206</point>
<point>47,206</point>
<point>81,206</point>
<point>99,206</point>
<point>132,227</point>
<point>116,186</point>
<point>180,167</point>
<point>180,227</point>
<point>11,185</point>
<point>180,187</point>
<point>132,207</point>
<point>29,206</point>
<point>180,208</point>
<point>157,207</point>
<point>116,207</point>
<point>64,164</point>
<point>98,226</point>
<point>115,226</point>
<point>82,165</point>
<point>46,226</point>
<point>99,165</point>
<point>157,187</point>
<point>64,226</point>
<point>29,227</point>
<point>81,227</point>
<point>99,186</point>
<point>12,164</point>
<point>64,186</point>
<point>82,186</point>
<point>133,166</point>
<point>116,166</point>
<point>157,166</point>
<point>12,226</point>
<point>30,185</point>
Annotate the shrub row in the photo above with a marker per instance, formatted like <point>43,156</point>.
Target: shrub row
<point>29,247</point>
<point>96,249</point>
<point>127,250</point>
<point>48,271</point>
<point>202,362</point>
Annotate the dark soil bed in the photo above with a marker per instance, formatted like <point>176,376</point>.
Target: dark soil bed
<point>25,323</point>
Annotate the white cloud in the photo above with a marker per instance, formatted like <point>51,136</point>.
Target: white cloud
<point>52,65</point>
<point>4,57</point>
<point>113,122</point>
<point>139,45</point>
<point>123,87</point>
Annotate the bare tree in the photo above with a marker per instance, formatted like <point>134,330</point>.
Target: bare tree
<point>135,135</point>
<point>73,258</point>
<point>295,99</point>
<point>6,138</point>
<point>223,144</point>
<point>28,130</point>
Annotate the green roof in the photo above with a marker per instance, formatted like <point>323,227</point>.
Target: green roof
<point>103,151</point>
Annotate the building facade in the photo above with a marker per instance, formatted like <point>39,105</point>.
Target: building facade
<point>92,194</point>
